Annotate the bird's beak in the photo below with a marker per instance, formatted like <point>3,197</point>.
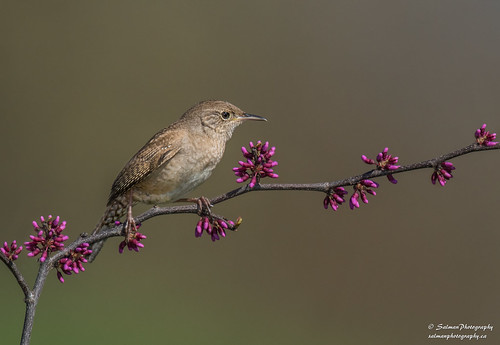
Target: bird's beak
<point>246,116</point>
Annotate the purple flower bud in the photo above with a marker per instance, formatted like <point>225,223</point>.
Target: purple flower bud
<point>338,198</point>
<point>445,174</point>
<point>265,147</point>
<point>121,246</point>
<point>222,223</point>
<point>353,201</point>
<point>199,229</point>
<point>369,183</point>
<point>271,152</point>
<point>391,179</point>
<point>363,197</point>
<point>270,164</point>
<point>372,192</point>
<point>242,179</point>
<point>448,165</point>
<point>367,160</point>
<point>334,205</point>
<point>253,182</point>
<point>209,228</point>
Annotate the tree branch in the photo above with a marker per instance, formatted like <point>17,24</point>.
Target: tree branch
<point>32,296</point>
<point>316,187</point>
<point>17,274</point>
<point>324,187</point>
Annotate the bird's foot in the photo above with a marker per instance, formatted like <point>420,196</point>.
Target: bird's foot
<point>203,205</point>
<point>130,226</point>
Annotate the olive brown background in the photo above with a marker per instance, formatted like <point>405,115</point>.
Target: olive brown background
<point>84,84</point>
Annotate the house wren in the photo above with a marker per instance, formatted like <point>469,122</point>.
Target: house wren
<point>173,162</point>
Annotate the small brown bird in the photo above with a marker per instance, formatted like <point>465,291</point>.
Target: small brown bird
<point>173,162</point>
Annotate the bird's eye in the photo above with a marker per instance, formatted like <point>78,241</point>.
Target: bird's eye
<point>225,115</point>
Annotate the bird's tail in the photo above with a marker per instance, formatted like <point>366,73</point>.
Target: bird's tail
<point>115,210</point>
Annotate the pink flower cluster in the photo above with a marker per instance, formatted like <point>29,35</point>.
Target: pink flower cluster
<point>360,190</point>
<point>215,227</point>
<point>132,241</point>
<point>73,262</point>
<point>258,164</point>
<point>442,173</point>
<point>48,238</point>
<point>384,162</point>
<point>334,198</point>
<point>485,138</point>
<point>12,251</point>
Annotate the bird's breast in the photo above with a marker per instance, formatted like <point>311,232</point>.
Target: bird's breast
<point>189,168</point>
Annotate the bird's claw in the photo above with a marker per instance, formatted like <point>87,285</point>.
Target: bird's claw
<point>204,206</point>
<point>130,226</point>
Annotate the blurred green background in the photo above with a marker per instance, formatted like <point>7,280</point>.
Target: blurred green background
<point>83,85</point>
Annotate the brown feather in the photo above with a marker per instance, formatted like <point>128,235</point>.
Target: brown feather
<point>143,163</point>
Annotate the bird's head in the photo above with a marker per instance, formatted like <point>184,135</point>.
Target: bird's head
<point>219,117</point>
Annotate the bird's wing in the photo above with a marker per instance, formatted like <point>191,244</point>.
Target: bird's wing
<point>157,151</point>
